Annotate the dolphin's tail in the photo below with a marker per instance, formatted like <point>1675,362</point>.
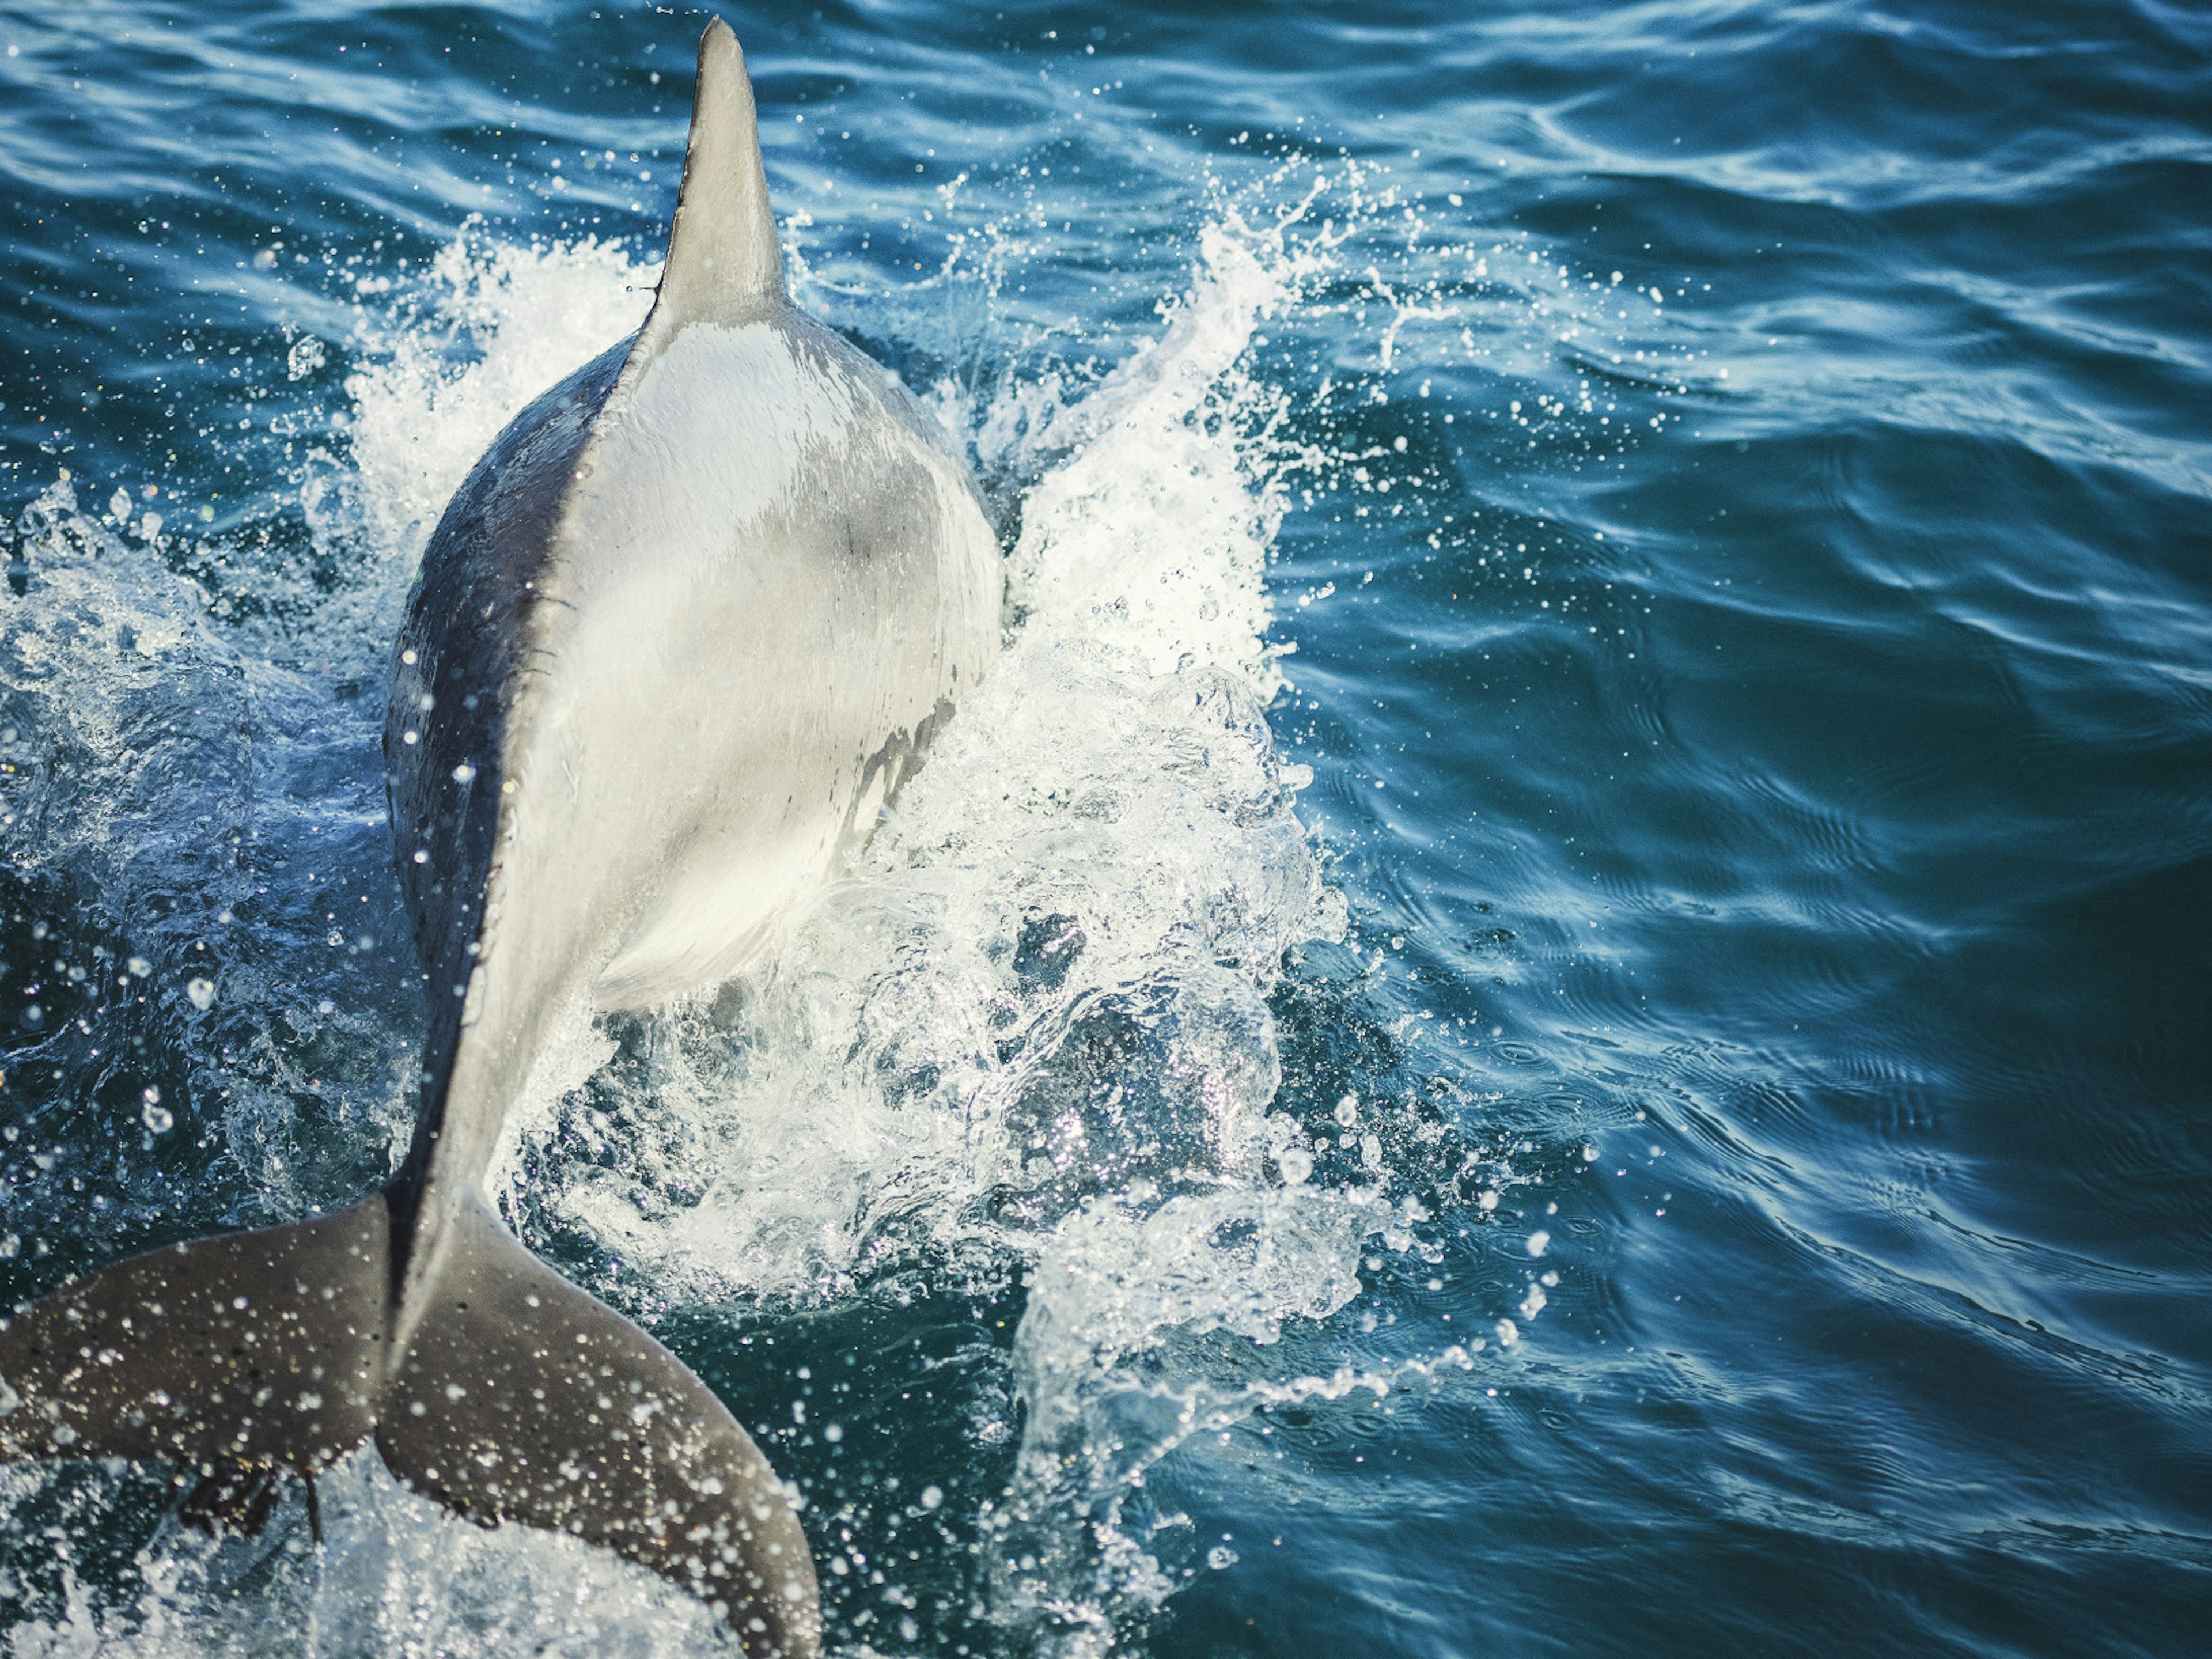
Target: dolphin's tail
<point>520,1398</point>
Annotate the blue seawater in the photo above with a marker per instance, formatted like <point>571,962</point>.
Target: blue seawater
<point>1557,1003</point>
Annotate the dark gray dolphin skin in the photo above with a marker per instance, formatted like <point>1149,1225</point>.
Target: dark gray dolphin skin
<point>686,626</point>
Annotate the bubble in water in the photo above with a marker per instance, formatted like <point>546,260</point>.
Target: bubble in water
<point>202,992</point>
<point>932,1497</point>
<point>1221,1556</point>
<point>157,1116</point>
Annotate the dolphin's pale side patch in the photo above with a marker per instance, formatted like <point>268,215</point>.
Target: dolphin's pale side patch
<point>793,408</point>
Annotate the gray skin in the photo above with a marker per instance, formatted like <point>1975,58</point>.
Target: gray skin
<point>687,626</point>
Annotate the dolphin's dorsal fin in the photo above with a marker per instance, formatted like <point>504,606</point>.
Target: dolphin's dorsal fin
<point>723,260</point>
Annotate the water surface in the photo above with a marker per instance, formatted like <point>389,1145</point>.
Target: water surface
<point>1555,1003</point>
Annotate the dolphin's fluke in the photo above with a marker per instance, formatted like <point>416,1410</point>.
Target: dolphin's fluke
<point>522,1398</point>
<point>723,260</point>
<point>238,1357</point>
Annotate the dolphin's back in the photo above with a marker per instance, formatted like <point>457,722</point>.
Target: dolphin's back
<point>757,611</point>
<point>683,633</point>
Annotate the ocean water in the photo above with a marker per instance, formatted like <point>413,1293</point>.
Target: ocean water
<point>1556,1001</point>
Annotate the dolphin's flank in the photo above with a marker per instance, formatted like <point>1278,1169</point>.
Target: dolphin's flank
<point>686,627</point>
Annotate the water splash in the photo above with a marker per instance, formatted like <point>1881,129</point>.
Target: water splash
<point>1026,1041</point>
<point>394,1574</point>
<point>440,373</point>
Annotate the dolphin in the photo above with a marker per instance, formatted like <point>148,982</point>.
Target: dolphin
<point>683,631</point>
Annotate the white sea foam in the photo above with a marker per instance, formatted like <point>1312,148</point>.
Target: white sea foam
<point>495,325</point>
<point>1103,841</point>
<point>395,1575</point>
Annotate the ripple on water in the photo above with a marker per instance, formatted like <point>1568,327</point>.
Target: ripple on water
<point>1779,641</point>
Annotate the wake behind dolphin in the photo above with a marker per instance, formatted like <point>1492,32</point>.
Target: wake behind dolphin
<point>687,625</point>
